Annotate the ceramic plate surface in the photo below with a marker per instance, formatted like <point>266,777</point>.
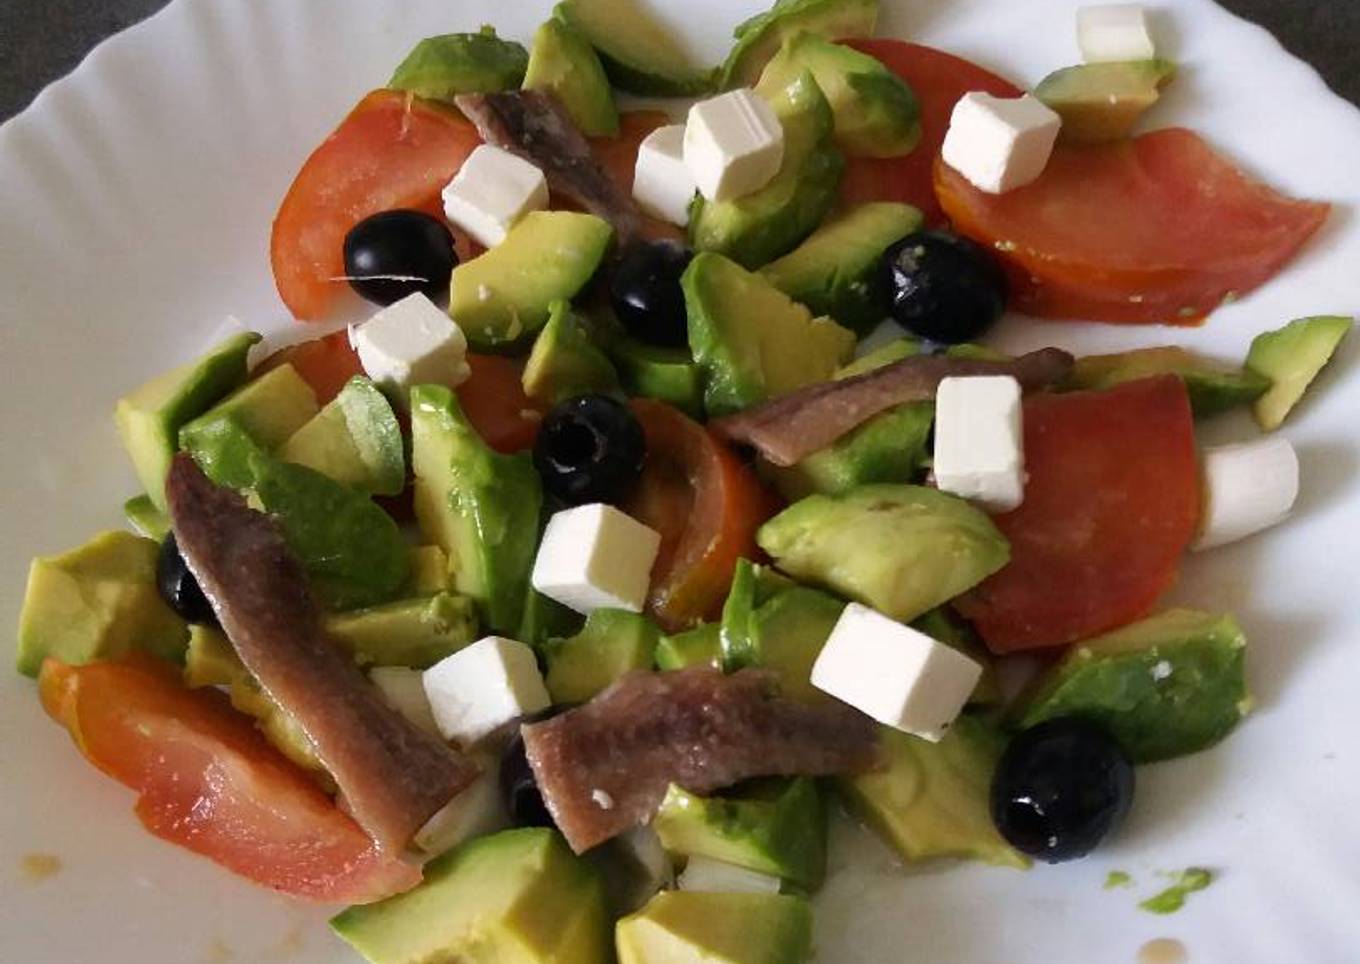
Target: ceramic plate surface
<point>135,202</point>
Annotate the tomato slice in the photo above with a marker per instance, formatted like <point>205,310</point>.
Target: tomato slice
<point>1111,504</point>
<point>394,150</point>
<point>1159,228</point>
<point>494,402</point>
<point>939,80</point>
<point>707,506</point>
<point>208,781</point>
<point>325,363</point>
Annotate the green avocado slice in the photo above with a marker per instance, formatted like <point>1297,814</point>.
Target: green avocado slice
<point>1291,358</point>
<point>445,66</point>
<point>563,63</point>
<point>760,37</point>
<point>639,54</point>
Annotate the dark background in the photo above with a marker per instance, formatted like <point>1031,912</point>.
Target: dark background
<point>42,39</point>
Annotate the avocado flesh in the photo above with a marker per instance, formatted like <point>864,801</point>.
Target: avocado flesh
<point>638,54</point>
<point>149,418</point>
<point>429,571</point>
<point>354,439</point>
<point>564,362</point>
<point>1212,388</point>
<point>415,632</point>
<point>902,549</point>
<point>97,601</point>
<point>1291,358</point>
<point>759,38</point>
<point>876,114</point>
<point>700,646</point>
<point>445,66</point>
<point>142,515</point>
<point>759,227</point>
<point>835,271</point>
<point>544,619</point>
<point>665,374</point>
<point>681,927</point>
<point>750,339</point>
<point>479,506</point>
<point>1103,102</point>
<point>562,63</point>
<point>933,799</point>
<point>890,447</point>
<point>1165,686</point>
<point>516,896</point>
<point>500,299</point>
<point>612,643</point>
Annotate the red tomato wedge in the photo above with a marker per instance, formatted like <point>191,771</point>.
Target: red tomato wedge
<point>707,506</point>
<point>1159,228</point>
<point>326,363</point>
<point>939,80</point>
<point>494,402</point>
<point>394,150</point>
<point>208,781</point>
<point>1111,504</point>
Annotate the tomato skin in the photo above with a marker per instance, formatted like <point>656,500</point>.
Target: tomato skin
<point>325,364</point>
<point>208,781</point>
<point>1111,504</point>
<point>494,402</point>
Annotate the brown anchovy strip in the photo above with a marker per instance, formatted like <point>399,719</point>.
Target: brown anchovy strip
<point>393,776</point>
<point>604,767</point>
<point>788,429</point>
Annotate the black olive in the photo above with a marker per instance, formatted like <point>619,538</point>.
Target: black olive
<point>589,449</point>
<point>392,254</point>
<point>942,287</point>
<point>519,789</point>
<point>645,292</point>
<point>1060,787</point>
<point>178,587</point>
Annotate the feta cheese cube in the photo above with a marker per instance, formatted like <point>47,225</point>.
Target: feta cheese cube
<point>1114,32</point>
<point>900,677</point>
<point>475,811</point>
<point>481,688</point>
<point>411,342</point>
<point>1247,487</point>
<point>491,191</point>
<point>1000,143</point>
<point>733,144</point>
<point>718,877</point>
<point>662,184</point>
<point>401,688</point>
<point>595,557</point>
<point>979,443</point>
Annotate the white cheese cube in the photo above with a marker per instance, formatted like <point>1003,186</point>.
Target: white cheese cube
<point>481,688</point>
<point>718,877</point>
<point>733,144</point>
<point>401,688</point>
<point>1114,32</point>
<point>1247,487</point>
<point>491,191</point>
<point>1000,143</point>
<point>477,810</point>
<point>979,444</point>
<point>411,342</point>
<point>662,184</point>
<point>595,557</point>
<point>900,677</point>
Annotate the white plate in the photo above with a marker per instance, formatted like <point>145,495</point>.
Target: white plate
<point>135,201</point>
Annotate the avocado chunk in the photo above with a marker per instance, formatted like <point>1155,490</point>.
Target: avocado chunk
<point>1213,388</point>
<point>639,54</point>
<point>1291,358</point>
<point>759,38</point>
<point>885,354</point>
<point>700,646</point>
<point>143,516</point>
<point>501,298</point>
<point>933,799</point>
<point>1165,686</point>
<point>771,622</point>
<point>479,506</point>
<point>682,927</point>
<point>876,114</point>
<point>665,374</point>
<point>564,361</point>
<point>902,549</point>
<point>443,67</point>
<point>750,339</point>
<point>544,619</point>
<point>835,271</point>
<point>1103,102</point>
<point>562,63</point>
<point>612,642</point>
<point>97,601</point>
<point>416,632</point>
<point>354,439</point>
<point>944,626</point>
<point>890,447</point>
<point>429,571</point>
<point>975,352</point>
<point>519,895</point>
<point>149,418</point>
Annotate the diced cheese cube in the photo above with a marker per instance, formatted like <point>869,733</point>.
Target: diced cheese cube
<point>1247,487</point>
<point>662,184</point>
<point>595,557</point>
<point>475,811</point>
<point>900,677</point>
<point>979,444</point>
<point>718,877</point>
<point>491,191</point>
<point>1000,143</point>
<point>1114,32</point>
<point>401,688</point>
<point>411,342</point>
<point>481,688</point>
<point>733,144</point>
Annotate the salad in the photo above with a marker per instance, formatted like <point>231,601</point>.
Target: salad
<point>665,496</point>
